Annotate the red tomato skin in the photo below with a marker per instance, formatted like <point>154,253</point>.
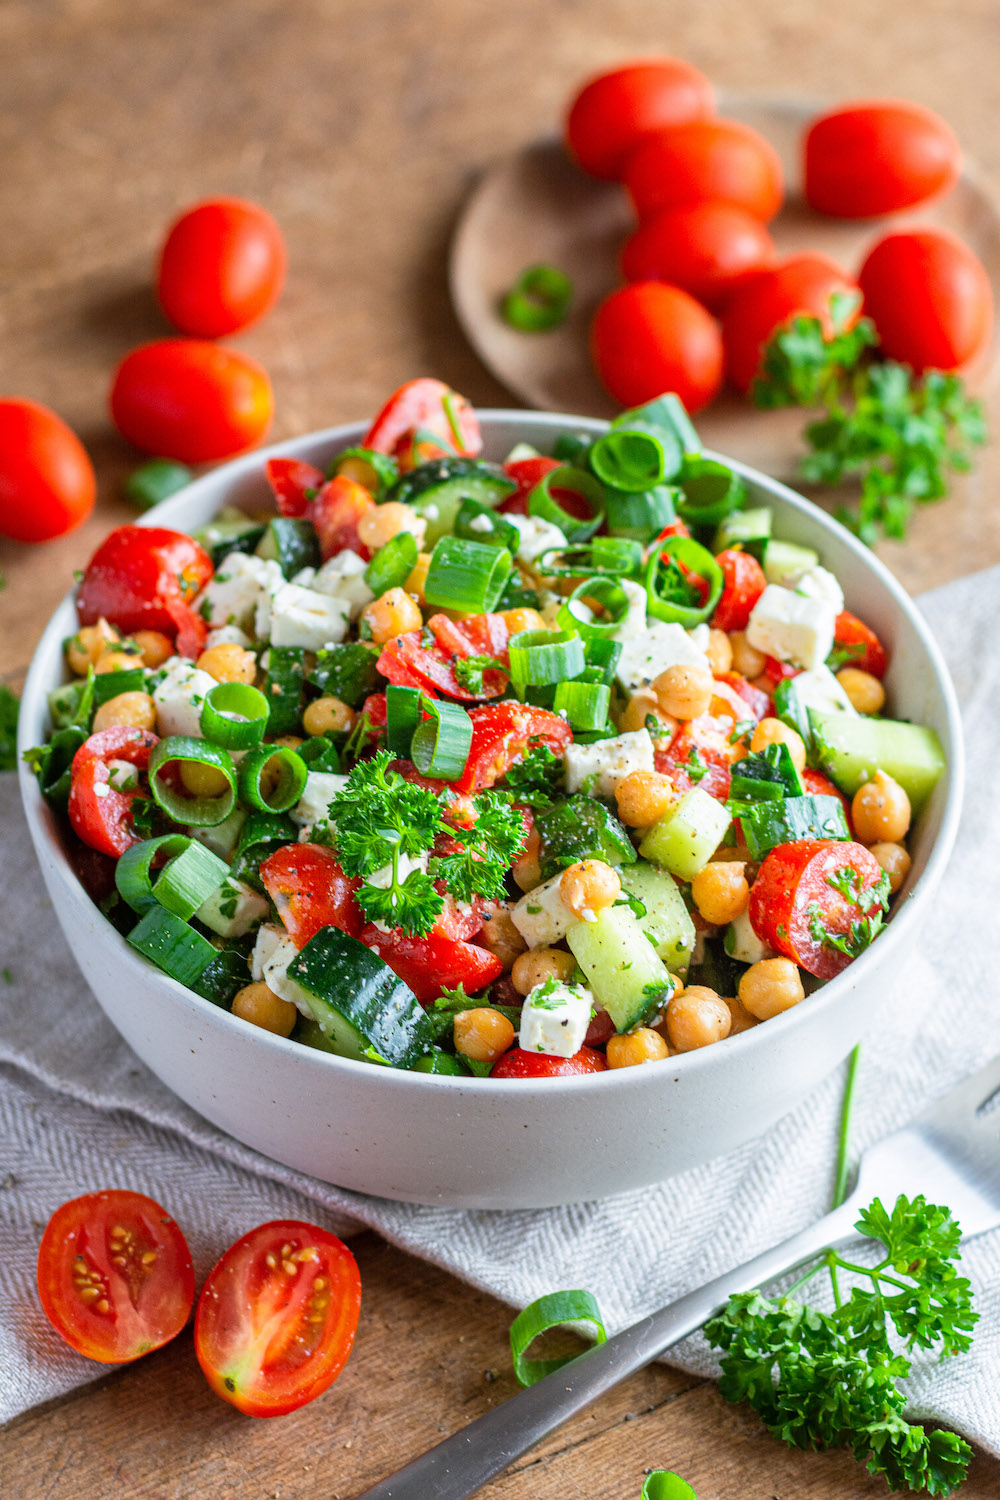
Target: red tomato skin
<point>121,742</point>
<point>142,578</point>
<point>705,160</point>
<point>744,584</point>
<point>758,703</point>
<point>520,1064</point>
<point>103,820</point>
<point>336,511</point>
<point>79,1236</point>
<point>243,1300</point>
<point>295,484</point>
<point>705,248</point>
<point>768,300</point>
<point>420,403</point>
<point>222,266</point>
<point>191,400</point>
<point>613,110</point>
<point>310,891</point>
<point>433,962</point>
<point>526,473</point>
<point>850,631</point>
<point>502,733</point>
<point>929,297</point>
<point>708,735</point>
<point>791,879</point>
<point>878,156</point>
<point>821,786</point>
<point>47,482</point>
<point>648,338</point>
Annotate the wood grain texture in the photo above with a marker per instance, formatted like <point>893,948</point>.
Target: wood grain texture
<point>362,127</point>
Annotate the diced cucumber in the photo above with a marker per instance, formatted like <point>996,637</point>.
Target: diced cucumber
<point>230,531</point>
<point>437,489</point>
<point>743,944</point>
<point>227,973</point>
<point>291,543</point>
<point>581,828</point>
<point>851,748</point>
<point>667,920</point>
<point>358,1002</point>
<point>784,559</point>
<point>744,526</point>
<point>623,969</point>
<point>347,671</point>
<point>768,824</point>
<point>283,688</point>
<point>687,835</point>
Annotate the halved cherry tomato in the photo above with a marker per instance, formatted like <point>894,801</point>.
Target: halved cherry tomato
<point>100,814</point>
<point>433,962</point>
<point>191,400</point>
<point>476,635</point>
<point>526,474</point>
<point>221,268</point>
<point>647,338</point>
<point>869,654</point>
<point>702,753</point>
<point>706,248</point>
<point>877,157</point>
<point>520,1064</point>
<point>703,160</point>
<point>431,407</point>
<point>115,1275</point>
<point>335,513</point>
<point>276,1317</point>
<point>757,703</point>
<point>47,482</point>
<point>767,300</point>
<point>929,297</point>
<point>144,578</point>
<point>502,734</point>
<point>310,891</point>
<point>612,111</point>
<point>744,584</point>
<point>295,484</point>
<point>792,899</point>
<point>776,671</point>
<point>408,662</point>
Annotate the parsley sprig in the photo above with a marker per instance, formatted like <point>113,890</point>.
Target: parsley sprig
<point>469,671</point>
<point>872,901</point>
<point>537,778</point>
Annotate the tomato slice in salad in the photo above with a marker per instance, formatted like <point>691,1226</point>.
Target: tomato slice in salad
<point>744,582</point>
<point>809,892</point>
<point>276,1317</point>
<point>859,645</point>
<point>145,578</point>
<point>114,1275</point>
<point>519,1064</point>
<point>502,734</point>
<point>310,891</point>
<point>429,407</point>
<point>434,961</point>
<point>295,484</point>
<point>408,660</point>
<point>335,513</point>
<point>100,813</point>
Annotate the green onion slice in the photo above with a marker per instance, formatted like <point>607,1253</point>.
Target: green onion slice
<point>172,945</point>
<point>542,503</point>
<point>629,459</point>
<point>585,704</point>
<point>440,745</point>
<point>403,716</point>
<point>266,828</point>
<point>320,753</point>
<point>621,557</point>
<point>392,564</point>
<point>669,594</point>
<point>603,656</point>
<point>466,576</point>
<point>539,299</point>
<point>541,657</point>
<point>190,874</point>
<point>378,472</point>
<point>196,811</point>
<point>272,778</point>
<point>109,684</point>
<point>710,491</point>
<point>664,1484</point>
<point>477,523</point>
<point>550,1311</point>
<point>156,480</point>
<point>606,592</point>
<point>234,715</point>
<point>640,516</point>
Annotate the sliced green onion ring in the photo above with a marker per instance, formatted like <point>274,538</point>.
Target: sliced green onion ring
<point>172,945</point>
<point>234,715</point>
<point>608,593</point>
<point>550,1311</point>
<point>710,491</point>
<point>585,704</point>
<point>440,745</point>
<point>542,503</point>
<point>189,875</point>
<point>696,559</point>
<point>265,828</point>
<point>630,459</point>
<point>603,656</point>
<point>195,811</point>
<point>466,576</point>
<point>402,708</point>
<point>541,657</point>
<point>621,557</point>
<point>272,761</point>
<point>641,516</point>
<point>478,523</point>
<point>377,472</point>
<point>539,299</point>
<point>392,564</point>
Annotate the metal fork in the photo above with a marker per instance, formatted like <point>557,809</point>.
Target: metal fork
<point>950,1153</point>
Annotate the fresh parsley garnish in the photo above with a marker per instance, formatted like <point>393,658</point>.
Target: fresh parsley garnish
<point>8,728</point>
<point>535,779</point>
<point>844,653</point>
<point>469,671</point>
<point>872,901</point>
<point>742,728</point>
<point>696,766</point>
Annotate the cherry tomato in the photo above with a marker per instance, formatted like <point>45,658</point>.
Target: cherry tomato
<point>407,662</point>
<point>758,703</point>
<point>144,578</point>
<point>929,298</point>
<point>792,897</point>
<point>276,1317</point>
<point>221,268</point>
<point>520,1064</point>
<point>705,160</point>
<point>614,110</point>
<point>744,584</point>
<point>310,891</point>
<point>295,484</point>
<point>115,1275</point>
<point>876,157</point>
<point>433,962</point>
<point>705,248</point>
<point>803,284</point>
<point>428,406</point>
<point>648,338</point>
<point>335,513</point>
<point>47,483</point>
<point>866,650</point>
<point>103,818</point>
<point>191,400</point>
<point>502,734</point>
<point>702,752</point>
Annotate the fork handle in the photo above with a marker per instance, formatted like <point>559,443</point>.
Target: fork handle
<point>464,1462</point>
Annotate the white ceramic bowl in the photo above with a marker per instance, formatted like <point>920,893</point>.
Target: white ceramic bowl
<point>480,1143</point>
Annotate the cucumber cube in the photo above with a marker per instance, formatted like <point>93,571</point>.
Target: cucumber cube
<point>851,748</point>
<point>667,921</point>
<point>687,835</point>
<point>622,967</point>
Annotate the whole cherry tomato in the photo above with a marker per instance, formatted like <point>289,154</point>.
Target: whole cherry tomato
<point>47,483</point>
<point>703,160</point>
<point>612,111</point>
<point>222,267</point>
<point>648,338</point>
<point>768,300</point>
<point>878,156</point>
<point>929,298</point>
<point>115,1275</point>
<point>706,248</point>
<point>144,578</point>
<point>191,400</point>
<point>520,1064</point>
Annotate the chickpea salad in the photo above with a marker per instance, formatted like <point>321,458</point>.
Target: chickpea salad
<point>522,769</point>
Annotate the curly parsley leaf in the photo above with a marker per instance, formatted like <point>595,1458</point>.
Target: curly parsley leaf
<point>488,849</point>
<point>469,671</point>
<point>537,778</point>
<point>8,728</point>
<point>872,902</point>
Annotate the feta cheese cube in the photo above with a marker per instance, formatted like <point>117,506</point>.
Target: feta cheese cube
<point>223,837</point>
<point>269,937</point>
<point>634,622</point>
<point>819,689</point>
<point>792,626</point>
<point>305,578</point>
<point>819,583</point>
<point>233,909</point>
<point>537,536</point>
<point>343,577</point>
<point>228,635</point>
<point>541,917</point>
<point>743,944</point>
<point>555,1018</point>
<point>233,595</point>
<point>303,617</point>
<point>609,761</point>
<point>274,972</point>
<point>179,697</point>
<point>320,789</point>
<point>645,656</point>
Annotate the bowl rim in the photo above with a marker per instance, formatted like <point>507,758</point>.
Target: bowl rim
<point>43,830</point>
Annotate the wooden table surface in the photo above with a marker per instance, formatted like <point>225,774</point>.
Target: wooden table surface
<point>361,127</point>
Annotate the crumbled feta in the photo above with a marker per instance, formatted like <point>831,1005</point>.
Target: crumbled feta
<point>645,656</point>
<point>305,578</point>
<point>303,617</point>
<point>223,837</point>
<point>269,937</point>
<point>537,536</point>
<point>405,865</point>
<point>233,909</point>
<point>603,764</point>
<point>634,622</point>
<point>819,689</point>
<point>818,583</point>
<point>234,594</point>
<point>123,775</point>
<point>481,523</point>
<point>320,789</point>
<point>274,972</point>
<point>179,697</point>
<point>792,626</point>
<point>343,577</point>
<point>555,1019</point>
<point>743,944</point>
<point>542,917</point>
<point>228,635</point>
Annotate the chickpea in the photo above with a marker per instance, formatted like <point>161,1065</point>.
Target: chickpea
<point>83,649</point>
<point>501,937</point>
<point>640,1046</point>
<point>262,1007</point>
<point>154,646</point>
<point>117,659</point>
<point>880,811</point>
<point>696,1017</point>
<point>381,524</point>
<point>895,861</point>
<point>684,692</point>
<point>719,652</point>
<point>533,968</point>
<point>417,580</point>
<point>742,1020</point>
<point>643,797</point>
<point>527,871</point>
<point>643,706</point>
<point>392,614</point>
<point>747,660</point>
<point>201,780</point>
<point>771,986</point>
<point>589,887</point>
<point>483,1034</point>
<point>866,693</point>
<point>522,619</point>
<point>134,709</point>
<point>328,716</point>
<point>228,663</point>
<point>720,892</point>
<point>287,742</point>
<point>774,732</point>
